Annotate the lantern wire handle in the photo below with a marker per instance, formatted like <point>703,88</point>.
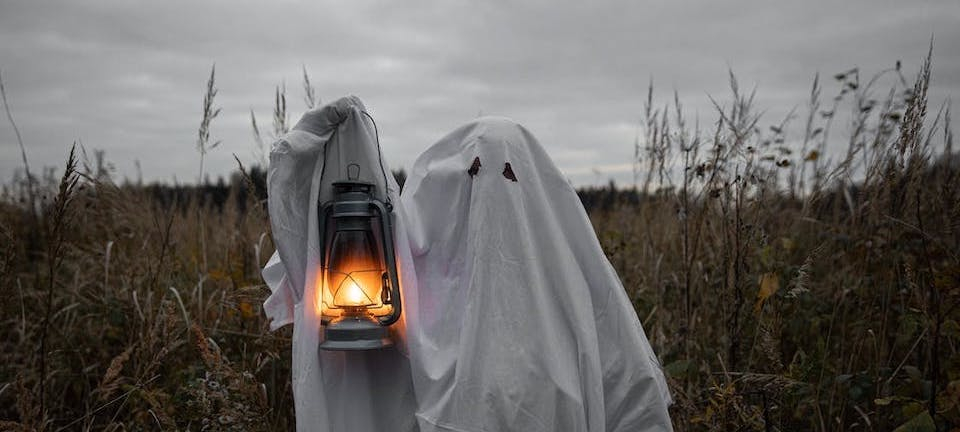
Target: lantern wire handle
<point>383,170</point>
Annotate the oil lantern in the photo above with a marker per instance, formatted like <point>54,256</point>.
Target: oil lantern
<point>360,295</point>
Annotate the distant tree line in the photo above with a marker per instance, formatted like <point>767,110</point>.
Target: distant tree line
<point>251,186</point>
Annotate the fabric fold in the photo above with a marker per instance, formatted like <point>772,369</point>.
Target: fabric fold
<point>333,390</point>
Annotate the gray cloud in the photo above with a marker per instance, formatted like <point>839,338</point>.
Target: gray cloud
<point>127,77</point>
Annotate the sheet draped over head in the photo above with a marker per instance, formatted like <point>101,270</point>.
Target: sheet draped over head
<point>333,391</point>
<point>515,319</point>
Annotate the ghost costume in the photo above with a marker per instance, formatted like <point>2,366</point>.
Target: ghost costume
<point>333,391</point>
<point>515,319</point>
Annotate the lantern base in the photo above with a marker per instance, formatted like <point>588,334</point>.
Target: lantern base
<point>355,333</point>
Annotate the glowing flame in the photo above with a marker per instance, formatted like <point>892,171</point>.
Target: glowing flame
<point>351,294</point>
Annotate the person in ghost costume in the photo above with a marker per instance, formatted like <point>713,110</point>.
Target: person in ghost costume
<point>333,391</point>
<point>515,319</point>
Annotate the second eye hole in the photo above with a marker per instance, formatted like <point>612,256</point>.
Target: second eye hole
<point>508,172</point>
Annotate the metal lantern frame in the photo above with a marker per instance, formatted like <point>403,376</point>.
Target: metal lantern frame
<point>355,208</point>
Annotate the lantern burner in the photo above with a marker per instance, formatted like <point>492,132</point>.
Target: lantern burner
<point>355,333</point>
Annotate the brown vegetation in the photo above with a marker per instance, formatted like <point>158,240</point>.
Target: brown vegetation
<point>782,291</point>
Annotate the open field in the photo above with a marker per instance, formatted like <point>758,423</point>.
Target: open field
<point>783,289</point>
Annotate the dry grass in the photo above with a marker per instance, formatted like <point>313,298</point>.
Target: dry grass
<point>783,291</point>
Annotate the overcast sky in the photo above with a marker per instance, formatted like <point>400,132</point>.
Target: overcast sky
<point>127,77</point>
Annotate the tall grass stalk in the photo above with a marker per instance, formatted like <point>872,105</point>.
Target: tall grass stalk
<point>23,150</point>
<point>204,145</point>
